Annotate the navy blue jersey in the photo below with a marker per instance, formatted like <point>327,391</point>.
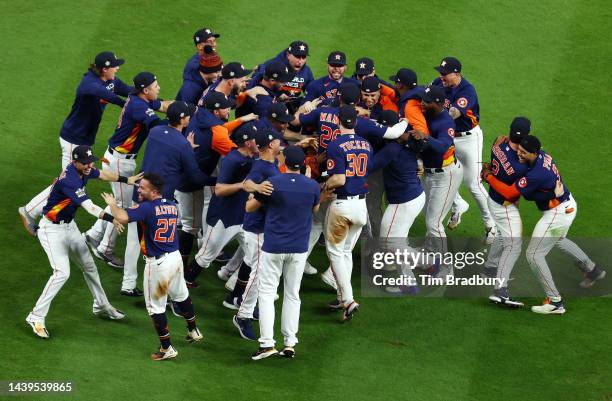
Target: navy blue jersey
<point>136,119</point>
<point>157,220</point>
<point>326,89</point>
<point>440,151</point>
<point>289,215</point>
<point>296,87</point>
<point>67,194</point>
<point>261,171</point>
<point>540,181</point>
<point>400,178</point>
<point>464,99</point>
<point>259,106</point>
<point>230,209</point>
<point>169,154</point>
<point>92,95</point>
<point>350,155</point>
<point>193,84</point>
<point>505,167</point>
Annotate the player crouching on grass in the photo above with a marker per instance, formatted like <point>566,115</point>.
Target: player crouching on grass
<point>163,274</point>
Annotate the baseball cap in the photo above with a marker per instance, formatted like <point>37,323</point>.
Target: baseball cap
<point>279,112</point>
<point>370,84</point>
<point>294,157</point>
<point>234,70</point>
<point>203,34</point>
<point>433,93</point>
<point>519,129</point>
<point>336,58</point>
<point>108,60</point>
<point>83,154</point>
<point>264,136</point>
<point>348,116</point>
<point>364,66</point>
<point>349,93</point>
<point>217,100</point>
<point>244,133</point>
<point>278,71</point>
<point>448,65</point>
<point>144,79</point>
<point>531,144</point>
<point>298,48</point>
<point>388,118</point>
<point>210,61</point>
<point>405,76</point>
<point>180,109</point>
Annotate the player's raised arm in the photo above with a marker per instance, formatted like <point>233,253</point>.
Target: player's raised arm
<point>118,213</point>
<point>108,176</point>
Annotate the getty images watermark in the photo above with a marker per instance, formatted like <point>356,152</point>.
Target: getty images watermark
<point>467,267</point>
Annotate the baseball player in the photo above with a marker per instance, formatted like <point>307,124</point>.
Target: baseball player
<point>275,75</point>
<point>209,70</point>
<point>372,101</point>
<point>326,88</point>
<point>136,119</point>
<point>99,86</point>
<point>409,101</point>
<point>462,104</point>
<point>226,210</point>
<point>544,185</point>
<point>233,82</point>
<point>349,159</point>
<point>191,72</point>
<point>284,251</point>
<point>59,236</point>
<point>157,218</point>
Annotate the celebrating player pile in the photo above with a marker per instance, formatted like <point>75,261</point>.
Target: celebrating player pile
<point>304,158</point>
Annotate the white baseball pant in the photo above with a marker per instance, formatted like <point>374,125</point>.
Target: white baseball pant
<point>214,240</point>
<point>506,247</point>
<point>190,205</point>
<point>58,241</point>
<point>291,267</point>
<point>468,149</point>
<point>252,257</point>
<point>344,221</point>
<point>162,277</point>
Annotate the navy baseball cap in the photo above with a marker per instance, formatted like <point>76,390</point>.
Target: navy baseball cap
<point>364,66</point>
<point>244,133</point>
<point>519,129</point>
<point>279,112</point>
<point>405,76</point>
<point>531,144</point>
<point>370,84</point>
<point>143,79</point>
<point>298,48</point>
<point>433,93</point>
<point>265,136</point>
<point>448,65</point>
<point>203,34</point>
<point>180,109</point>
<point>349,93</point>
<point>348,116</point>
<point>234,70</point>
<point>108,60</point>
<point>278,71</point>
<point>294,157</point>
<point>336,58</point>
<point>83,154</point>
<point>217,100</point>
<point>388,118</point>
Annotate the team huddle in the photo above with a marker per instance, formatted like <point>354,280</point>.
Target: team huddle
<point>305,161</point>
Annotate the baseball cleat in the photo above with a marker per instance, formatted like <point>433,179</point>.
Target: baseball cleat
<point>550,307</point>
<point>28,221</point>
<point>193,335</point>
<point>455,218</point>
<point>109,258</point>
<point>591,277</point>
<point>335,305</point>
<point>92,242</point>
<point>224,274</point>
<point>264,352</point>
<point>309,269</point>
<point>108,311</point>
<point>349,311</point>
<point>502,297</point>
<point>490,233</point>
<point>287,352</point>
<point>231,302</point>
<point>38,327</point>
<point>245,328</point>
<point>134,292</point>
<point>224,256</point>
<point>328,278</point>
<point>175,308</point>
<point>163,354</point>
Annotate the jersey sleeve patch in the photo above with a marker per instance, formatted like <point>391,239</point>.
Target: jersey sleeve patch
<point>330,164</point>
<point>451,132</point>
<point>462,102</point>
<point>522,182</point>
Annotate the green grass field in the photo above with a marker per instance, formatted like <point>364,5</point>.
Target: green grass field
<point>547,60</point>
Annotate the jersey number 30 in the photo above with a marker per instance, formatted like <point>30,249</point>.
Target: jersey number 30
<point>161,234</point>
<point>357,164</point>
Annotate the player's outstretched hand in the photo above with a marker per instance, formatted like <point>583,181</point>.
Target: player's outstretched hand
<point>559,189</point>
<point>135,178</point>
<point>265,188</point>
<point>109,199</point>
<point>417,134</point>
<point>308,142</point>
<point>248,117</point>
<point>361,112</point>
<point>256,91</point>
<point>118,226</point>
<point>485,171</point>
<point>191,140</point>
